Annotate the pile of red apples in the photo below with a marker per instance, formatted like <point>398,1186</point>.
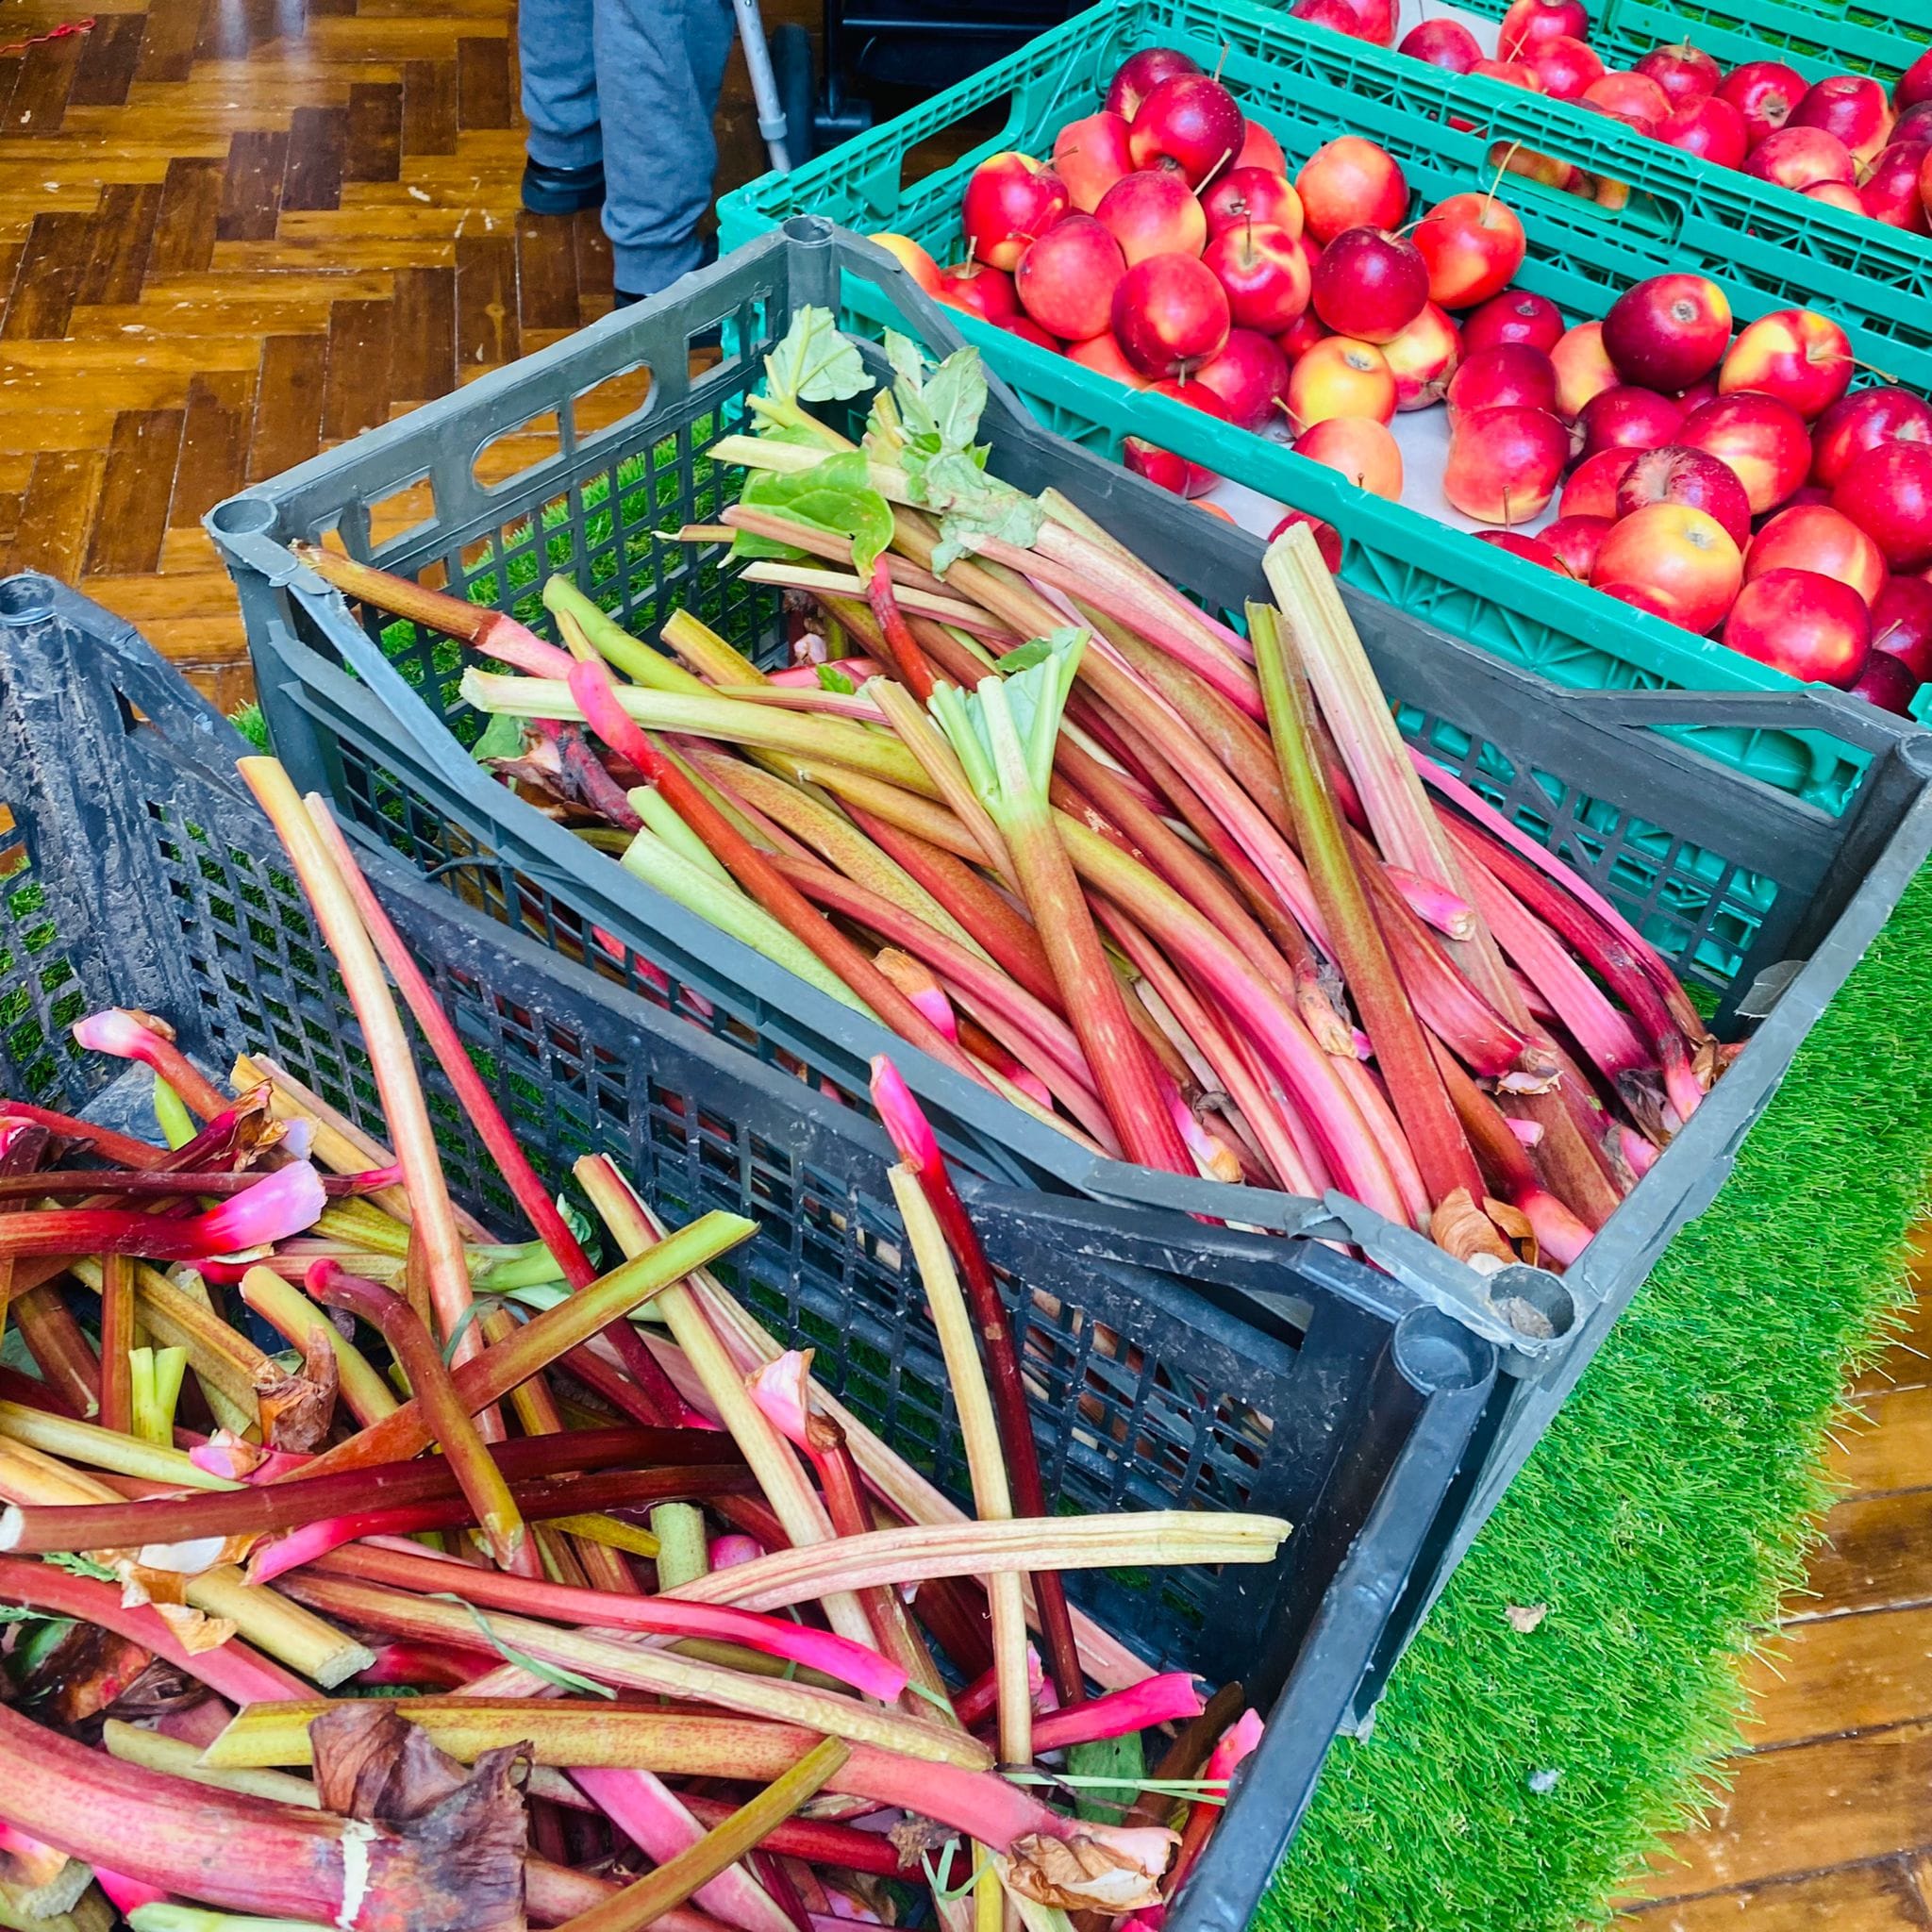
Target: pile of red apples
<point>1843,140</point>
<point>1727,482</point>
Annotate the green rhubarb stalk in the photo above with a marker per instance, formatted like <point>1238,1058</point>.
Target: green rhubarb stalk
<point>615,645</point>
<point>294,1317</point>
<point>722,1847</point>
<point>156,1389</point>
<point>707,655</point>
<point>667,871</point>
<point>1004,735</point>
<point>1402,1053</point>
<point>730,720</point>
<point>661,820</point>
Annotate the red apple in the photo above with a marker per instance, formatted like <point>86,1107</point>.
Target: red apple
<point>1030,331</point>
<point>1369,284</point>
<point>1628,418</point>
<point>1340,376</point>
<point>1813,536</point>
<point>1764,440</point>
<point>980,290</point>
<point>1188,121</point>
<point>1902,624</point>
<point>1565,66</point>
<point>1376,20</point>
<point>1926,179</point>
<point>1091,155</point>
<point>1699,393</point>
<point>1351,183</point>
<point>1592,487</point>
<point>1066,280</point>
<point>1250,376</point>
<point>1300,336</point>
<point>1678,474</point>
<point>1252,194</point>
<point>1890,193</point>
<point>1264,274</point>
<point>1162,466</point>
<point>1680,552</point>
<point>1169,315</point>
<point>1153,212</point>
<point>1010,201</point>
<point>1511,74</point>
<point>1887,493</point>
<point>1576,540</point>
<point>1327,537</point>
<point>1503,465</point>
<point>1337,16</point>
<point>1514,316</point>
<point>1530,20</point>
<point>1840,194</point>
<point>1914,84</point>
<point>1423,357</point>
<point>1514,377</point>
<point>1802,157</point>
<point>1802,623</point>
<point>1709,127</point>
<point>1260,149</point>
<point>1862,422</point>
<point>1668,332</point>
<point>1853,108</point>
<point>1531,549</point>
<point>1582,369</point>
<point>1141,72</point>
<point>1359,448</point>
<point>1684,73</point>
<point>1914,126</point>
<point>1102,355</point>
<point>1641,597</point>
<point>1796,355</point>
<point>1764,91</point>
<point>1629,97</point>
<point>912,259</point>
<point>1887,683</point>
<point>1442,44</point>
<point>1473,244</point>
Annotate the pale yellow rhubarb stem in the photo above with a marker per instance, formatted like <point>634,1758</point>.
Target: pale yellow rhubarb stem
<point>992,1494</point>
<point>772,1458</point>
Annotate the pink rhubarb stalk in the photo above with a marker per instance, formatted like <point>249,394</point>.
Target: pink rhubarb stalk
<point>132,1035</point>
<point>279,1205</point>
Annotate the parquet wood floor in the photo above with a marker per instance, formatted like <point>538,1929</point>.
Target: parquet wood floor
<point>234,232</point>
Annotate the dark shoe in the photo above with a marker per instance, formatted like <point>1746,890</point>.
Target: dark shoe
<point>562,191</point>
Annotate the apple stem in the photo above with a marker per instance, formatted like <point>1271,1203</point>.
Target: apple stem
<point>1221,62</point>
<point>1207,180</point>
<point>1509,154</point>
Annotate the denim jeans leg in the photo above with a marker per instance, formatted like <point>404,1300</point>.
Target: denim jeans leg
<point>554,48</point>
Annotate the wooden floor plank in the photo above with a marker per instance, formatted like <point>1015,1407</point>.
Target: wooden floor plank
<point>107,61</point>
<point>58,515</point>
<point>252,187</point>
<point>123,241</point>
<point>1857,1898</point>
<point>38,99</point>
<point>422,335</point>
<point>1833,1675</point>
<point>287,405</point>
<point>483,82</point>
<point>486,299</point>
<point>356,395</point>
<point>375,132</point>
<point>214,456</point>
<point>318,154</point>
<point>48,278</point>
<point>185,227</point>
<point>429,107</point>
<point>134,494</point>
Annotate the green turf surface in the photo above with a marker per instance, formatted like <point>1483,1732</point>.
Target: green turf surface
<point>1661,1519</point>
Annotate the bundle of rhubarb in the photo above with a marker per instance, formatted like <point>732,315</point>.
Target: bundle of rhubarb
<point>456,1614</point>
<point>1175,888</point>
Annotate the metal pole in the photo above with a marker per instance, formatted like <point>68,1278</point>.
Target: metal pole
<point>764,89</point>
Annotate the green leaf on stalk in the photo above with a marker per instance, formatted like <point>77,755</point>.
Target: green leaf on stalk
<point>1006,729</point>
<point>973,507</point>
<point>938,414</point>
<point>551,1674</point>
<point>503,738</point>
<point>37,1642</point>
<point>77,1565</point>
<point>832,678</point>
<point>835,496</point>
<point>1117,1762</point>
<point>815,363</point>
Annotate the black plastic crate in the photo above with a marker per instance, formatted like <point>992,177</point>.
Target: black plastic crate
<point>1173,1366</point>
<point>1751,890</point>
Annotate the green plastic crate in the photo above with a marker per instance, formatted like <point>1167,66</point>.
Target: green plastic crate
<point>1308,85</point>
<point>1819,39</point>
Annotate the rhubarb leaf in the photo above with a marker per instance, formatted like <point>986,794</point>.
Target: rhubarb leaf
<point>832,678</point>
<point>835,496</point>
<point>973,507</point>
<point>1117,1762</point>
<point>815,363</point>
<point>78,1565</point>
<point>939,414</point>
<point>503,738</point>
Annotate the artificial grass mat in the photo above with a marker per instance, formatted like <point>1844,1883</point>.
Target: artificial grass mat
<point>1668,1509</point>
